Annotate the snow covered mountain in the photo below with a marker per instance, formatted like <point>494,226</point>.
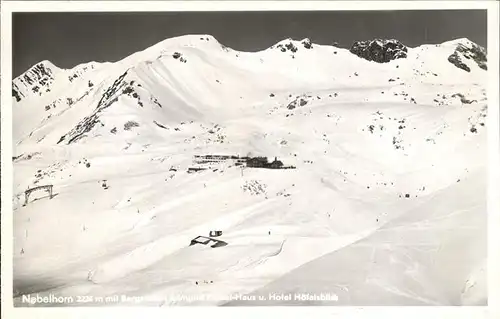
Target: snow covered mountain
<point>385,204</point>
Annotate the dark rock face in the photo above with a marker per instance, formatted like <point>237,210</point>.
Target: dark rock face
<point>381,51</point>
<point>38,74</point>
<point>457,61</point>
<point>307,43</point>
<point>89,122</point>
<point>38,77</point>
<point>475,53</point>
<point>178,55</point>
<point>16,93</point>
<point>289,46</point>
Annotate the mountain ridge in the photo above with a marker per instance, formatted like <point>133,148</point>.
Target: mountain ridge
<point>170,60</point>
<point>167,41</point>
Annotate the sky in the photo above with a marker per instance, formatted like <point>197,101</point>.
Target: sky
<point>68,39</point>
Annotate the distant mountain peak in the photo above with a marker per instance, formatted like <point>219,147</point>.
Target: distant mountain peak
<point>40,78</point>
<point>460,41</point>
<point>41,68</point>
<point>37,80</point>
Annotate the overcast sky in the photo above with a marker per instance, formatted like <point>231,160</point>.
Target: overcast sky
<point>68,39</point>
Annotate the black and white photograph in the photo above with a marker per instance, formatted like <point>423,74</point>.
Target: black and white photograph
<point>248,157</point>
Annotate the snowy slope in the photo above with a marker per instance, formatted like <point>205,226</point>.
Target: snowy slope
<point>388,192</point>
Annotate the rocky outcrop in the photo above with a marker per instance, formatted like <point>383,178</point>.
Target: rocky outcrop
<point>109,97</point>
<point>298,101</point>
<point>457,61</point>
<point>16,93</point>
<point>179,56</point>
<point>473,52</point>
<point>307,43</point>
<point>381,51</point>
<point>288,46</point>
<point>38,80</point>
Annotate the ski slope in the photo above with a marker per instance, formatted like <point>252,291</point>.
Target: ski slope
<point>386,206</point>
